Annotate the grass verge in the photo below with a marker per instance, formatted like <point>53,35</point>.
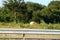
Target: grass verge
<point>28,26</point>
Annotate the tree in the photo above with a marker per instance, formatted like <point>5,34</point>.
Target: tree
<point>5,16</point>
<point>51,14</point>
<point>13,6</point>
<point>20,11</point>
<point>36,16</point>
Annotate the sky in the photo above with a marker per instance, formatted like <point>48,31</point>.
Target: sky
<point>43,2</point>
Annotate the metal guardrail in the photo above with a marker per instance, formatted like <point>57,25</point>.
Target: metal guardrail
<point>28,31</point>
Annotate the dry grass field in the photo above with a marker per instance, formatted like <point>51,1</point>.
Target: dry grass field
<point>28,36</point>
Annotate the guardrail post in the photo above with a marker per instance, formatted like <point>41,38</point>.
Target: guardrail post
<point>23,36</point>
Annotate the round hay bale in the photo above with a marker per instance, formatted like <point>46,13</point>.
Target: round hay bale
<point>32,23</point>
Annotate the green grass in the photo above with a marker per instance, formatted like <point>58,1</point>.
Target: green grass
<point>41,26</point>
<point>28,26</point>
<point>9,25</point>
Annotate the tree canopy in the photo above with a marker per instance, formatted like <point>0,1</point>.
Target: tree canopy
<point>20,11</point>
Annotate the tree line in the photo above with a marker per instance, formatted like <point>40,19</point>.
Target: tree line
<point>24,12</point>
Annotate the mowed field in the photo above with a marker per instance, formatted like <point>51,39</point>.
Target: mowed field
<point>28,36</point>
<point>28,26</point>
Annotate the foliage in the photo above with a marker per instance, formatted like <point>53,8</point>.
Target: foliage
<point>24,12</point>
<point>51,14</point>
<point>15,10</point>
